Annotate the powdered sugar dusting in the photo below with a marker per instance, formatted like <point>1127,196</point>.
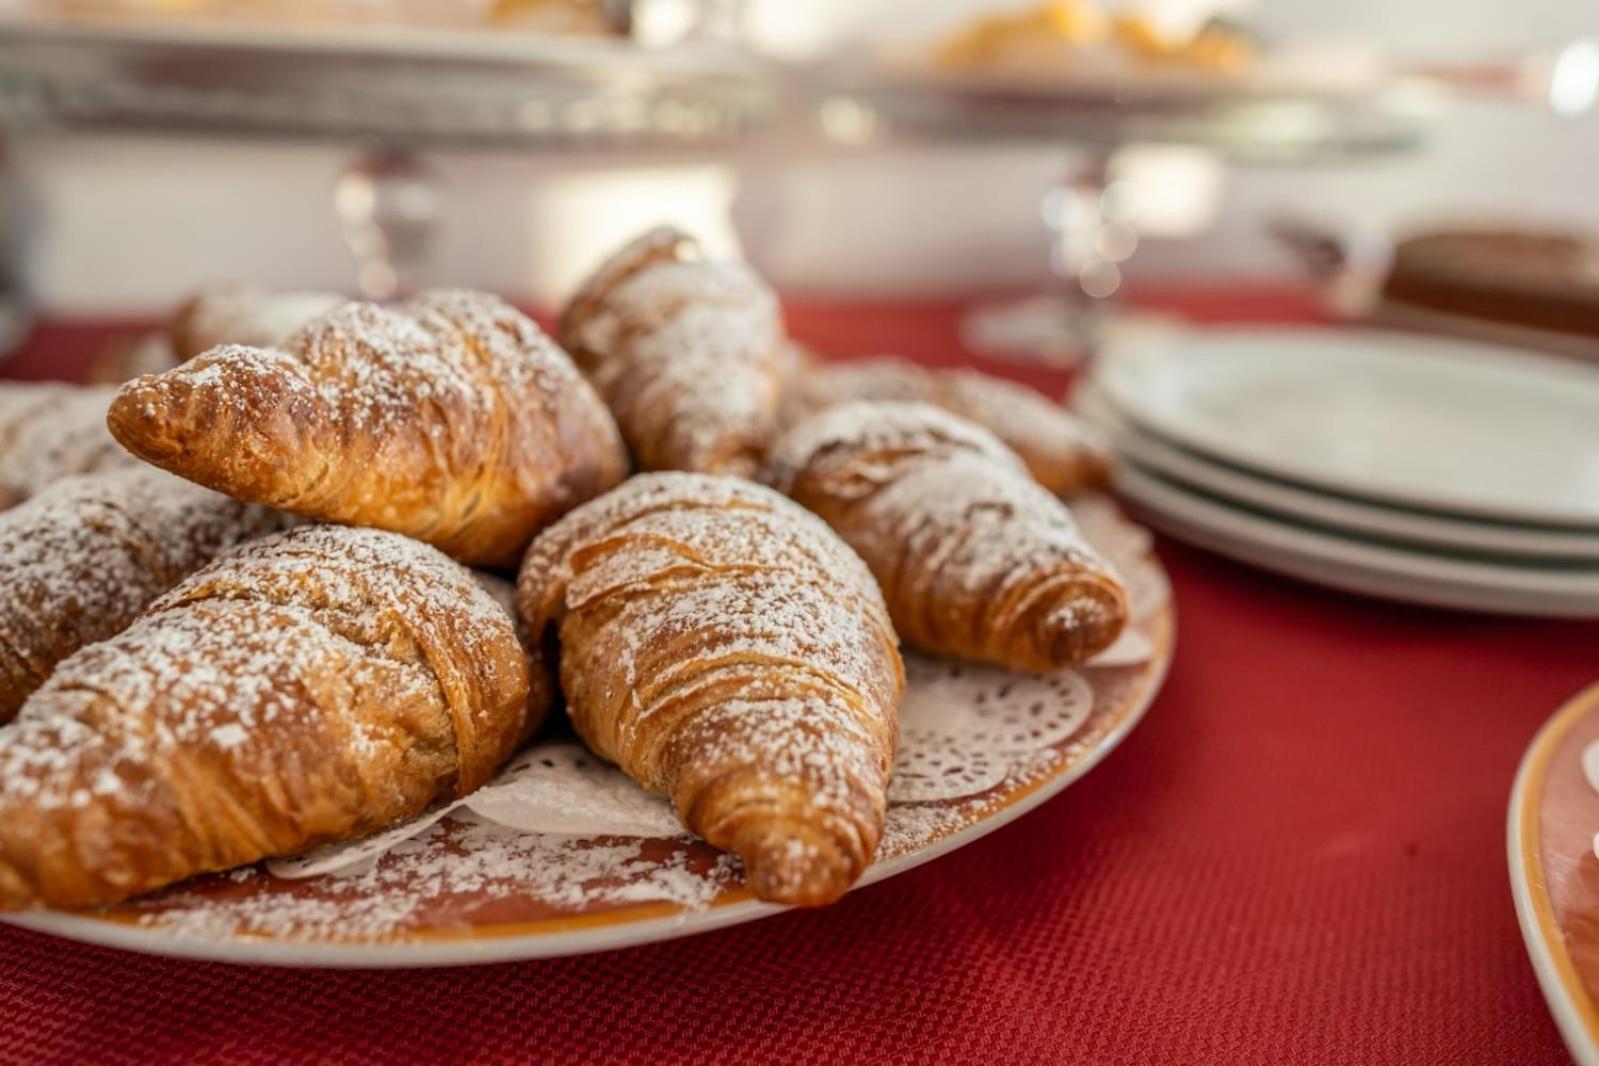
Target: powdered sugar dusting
<point>1021,417</point>
<point>703,523</point>
<point>912,826</point>
<point>459,867</point>
<point>945,514</point>
<point>690,355</point>
<point>678,582</point>
<point>451,418</point>
<point>377,366</point>
<point>1058,447</point>
<point>79,561</point>
<point>883,378</point>
<point>50,431</point>
<point>1003,528</point>
<point>973,744</point>
<point>565,840</point>
<point>218,670</point>
<point>903,433</point>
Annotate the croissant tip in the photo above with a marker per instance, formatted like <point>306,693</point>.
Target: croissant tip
<point>1081,628</point>
<point>793,868</point>
<point>136,416</point>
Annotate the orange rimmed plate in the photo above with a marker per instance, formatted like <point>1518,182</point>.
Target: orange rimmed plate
<point>565,856</point>
<point>1554,872</point>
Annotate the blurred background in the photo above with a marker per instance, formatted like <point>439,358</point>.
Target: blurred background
<point>113,222</point>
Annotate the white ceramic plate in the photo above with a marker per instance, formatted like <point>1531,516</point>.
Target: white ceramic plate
<point>1554,872</point>
<point>1354,565</point>
<point>1439,425</point>
<point>1419,528</point>
<point>564,855</point>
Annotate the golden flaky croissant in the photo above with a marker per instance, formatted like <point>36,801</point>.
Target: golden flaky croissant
<point>80,560</point>
<point>313,686</point>
<point>1063,453</point>
<point>688,352</point>
<point>725,649</point>
<point>453,420</point>
<point>975,558</point>
<point>49,431</point>
<point>543,692</point>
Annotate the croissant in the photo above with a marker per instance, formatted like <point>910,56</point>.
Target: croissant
<point>314,686</point>
<point>222,314</point>
<point>126,358</point>
<point>242,314</point>
<point>80,560</point>
<point>976,559</point>
<point>51,431</point>
<point>1063,453</point>
<point>725,649</point>
<point>689,354</point>
<point>453,420</point>
<point>542,688</point>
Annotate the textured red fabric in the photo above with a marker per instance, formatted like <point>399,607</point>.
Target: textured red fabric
<point>1297,857</point>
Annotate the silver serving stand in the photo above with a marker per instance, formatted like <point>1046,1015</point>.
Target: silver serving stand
<point>1285,114</point>
<point>395,91</point>
<point>1090,117</point>
<point>412,85</point>
<point>1254,119</point>
<point>399,91</point>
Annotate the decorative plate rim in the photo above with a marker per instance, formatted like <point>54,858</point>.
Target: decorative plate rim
<point>587,933</point>
<point>1573,1009</point>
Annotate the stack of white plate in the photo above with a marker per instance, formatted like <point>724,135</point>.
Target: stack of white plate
<point>1429,471</point>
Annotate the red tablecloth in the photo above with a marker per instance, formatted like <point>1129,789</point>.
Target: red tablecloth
<point>1298,857</point>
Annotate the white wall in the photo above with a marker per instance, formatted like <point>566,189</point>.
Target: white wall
<point>122,224</point>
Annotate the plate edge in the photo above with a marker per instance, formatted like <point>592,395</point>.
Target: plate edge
<point>1568,1001</point>
<point>470,951</point>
